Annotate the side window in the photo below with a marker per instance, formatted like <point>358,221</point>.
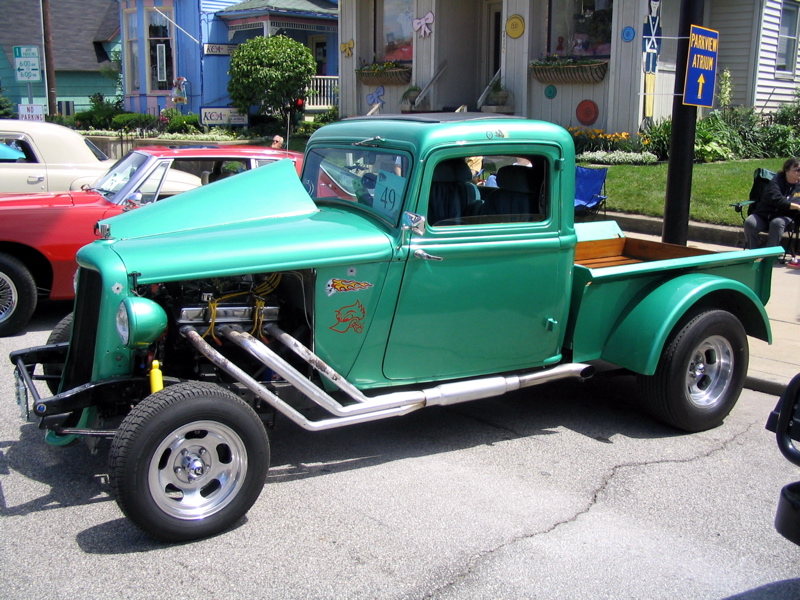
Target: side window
<point>786,59</point>
<point>488,189</point>
<point>373,178</point>
<point>23,146</point>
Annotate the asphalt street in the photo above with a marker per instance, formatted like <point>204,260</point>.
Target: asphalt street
<point>563,491</point>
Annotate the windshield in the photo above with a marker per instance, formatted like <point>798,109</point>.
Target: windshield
<point>373,178</point>
<point>119,175</point>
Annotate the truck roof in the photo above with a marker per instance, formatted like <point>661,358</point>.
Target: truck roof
<point>427,129</point>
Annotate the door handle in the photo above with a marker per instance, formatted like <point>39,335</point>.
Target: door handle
<point>419,253</point>
<point>35,178</point>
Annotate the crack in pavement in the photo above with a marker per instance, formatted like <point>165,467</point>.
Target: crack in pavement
<point>476,560</point>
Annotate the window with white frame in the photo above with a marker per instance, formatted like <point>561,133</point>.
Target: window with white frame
<point>160,45</point>
<point>394,30</point>
<point>132,50</point>
<point>580,27</point>
<point>786,59</point>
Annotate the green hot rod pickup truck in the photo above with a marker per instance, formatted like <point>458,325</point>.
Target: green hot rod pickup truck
<point>389,277</point>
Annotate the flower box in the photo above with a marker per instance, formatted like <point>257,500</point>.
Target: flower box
<point>570,73</point>
<point>386,77</point>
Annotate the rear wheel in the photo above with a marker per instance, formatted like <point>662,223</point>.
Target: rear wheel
<point>17,295</point>
<point>188,461</point>
<point>700,374</point>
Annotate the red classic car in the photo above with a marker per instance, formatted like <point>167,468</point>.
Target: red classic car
<point>40,233</point>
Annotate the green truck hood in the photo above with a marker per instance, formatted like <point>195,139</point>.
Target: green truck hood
<point>271,191</point>
<point>256,223</point>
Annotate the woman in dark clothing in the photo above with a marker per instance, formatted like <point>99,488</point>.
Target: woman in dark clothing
<point>777,207</point>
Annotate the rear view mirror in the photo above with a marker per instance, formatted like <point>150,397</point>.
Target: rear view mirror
<point>785,422</point>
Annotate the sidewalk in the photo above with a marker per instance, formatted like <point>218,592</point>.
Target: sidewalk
<point>771,366</point>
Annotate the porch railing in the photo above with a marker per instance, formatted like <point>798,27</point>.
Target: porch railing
<point>323,93</point>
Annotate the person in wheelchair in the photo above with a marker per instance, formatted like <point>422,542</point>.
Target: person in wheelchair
<point>778,207</point>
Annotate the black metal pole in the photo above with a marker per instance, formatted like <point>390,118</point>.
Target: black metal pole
<point>49,59</point>
<point>681,146</point>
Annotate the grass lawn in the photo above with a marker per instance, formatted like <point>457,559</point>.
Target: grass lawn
<point>641,189</point>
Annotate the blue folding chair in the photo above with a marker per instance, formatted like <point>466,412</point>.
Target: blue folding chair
<point>589,191</point>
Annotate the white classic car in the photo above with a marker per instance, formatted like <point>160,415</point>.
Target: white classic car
<point>54,158</point>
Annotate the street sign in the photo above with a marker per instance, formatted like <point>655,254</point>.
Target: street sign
<point>27,67</point>
<point>30,112</point>
<point>701,67</point>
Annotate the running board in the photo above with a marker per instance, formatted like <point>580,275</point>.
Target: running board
<point>365,408</point>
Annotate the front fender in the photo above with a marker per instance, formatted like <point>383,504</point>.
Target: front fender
<point>638,338</point>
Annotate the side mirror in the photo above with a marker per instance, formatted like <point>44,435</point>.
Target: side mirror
<point>785,421</point>
<point>414,223</point>
<point>133,201</point>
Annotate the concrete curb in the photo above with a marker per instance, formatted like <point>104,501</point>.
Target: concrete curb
<point>722,235</point>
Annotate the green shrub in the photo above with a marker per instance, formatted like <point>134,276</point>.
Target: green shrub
<point>101,113</point>
<point>132,121</point>
<point>6,107</point>
<point>657,138</point>
<point>781,140</point>
<point>788,113</point>
<point>745,126</point>
<point>714,140</point>
<point>184,124</point>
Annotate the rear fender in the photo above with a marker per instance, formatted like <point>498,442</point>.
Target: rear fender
<point>638,338</point>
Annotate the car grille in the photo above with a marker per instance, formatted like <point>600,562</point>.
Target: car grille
<point>78,368</point>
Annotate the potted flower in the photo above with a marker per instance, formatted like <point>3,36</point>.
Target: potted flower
<point>411,94</point>
<point>499,93</point>
<point>569,69</point>
<point>388,72</point>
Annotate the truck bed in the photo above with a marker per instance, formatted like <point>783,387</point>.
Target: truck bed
<point>598,254</point>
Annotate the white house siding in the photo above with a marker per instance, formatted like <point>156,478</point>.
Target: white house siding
<point>458,26</point>
<point>737,21</point>
<point>771,92</point>
<point>351,21</point>
<point>623,108</point>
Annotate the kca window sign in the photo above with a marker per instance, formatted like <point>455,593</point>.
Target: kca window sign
<point>221,116</point>
<point>219,49</point>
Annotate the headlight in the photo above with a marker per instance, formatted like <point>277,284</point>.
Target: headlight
<point>140,321</point>
<point>123,324</point>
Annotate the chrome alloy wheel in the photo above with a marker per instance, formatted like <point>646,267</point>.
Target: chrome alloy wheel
<point>197,470</point>
<point>709,371</point>
<point>9,297</point>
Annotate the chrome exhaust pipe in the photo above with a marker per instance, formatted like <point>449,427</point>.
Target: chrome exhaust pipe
<point>365,408</point>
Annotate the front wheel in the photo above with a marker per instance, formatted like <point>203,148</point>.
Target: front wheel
<point>17,295</point>
<point>188,461</point>
<point>700,374</point>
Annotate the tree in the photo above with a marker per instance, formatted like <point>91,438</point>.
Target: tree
<point>270,73</point>
<point>6,107</point>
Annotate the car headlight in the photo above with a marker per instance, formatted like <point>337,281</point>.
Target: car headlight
<point>123,323</point>
<point>140,321</point>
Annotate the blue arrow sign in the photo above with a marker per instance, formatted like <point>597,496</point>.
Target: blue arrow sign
<point>701,67</point>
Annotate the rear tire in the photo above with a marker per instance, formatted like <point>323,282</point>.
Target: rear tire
<point>188,461</point>
<point>17,295</point>
<point>700,374</point>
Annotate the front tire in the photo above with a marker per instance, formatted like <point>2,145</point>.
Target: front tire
<point>61,333</point>
<point>700,374</point>
<point>17,295</point>
<point>188,462</point>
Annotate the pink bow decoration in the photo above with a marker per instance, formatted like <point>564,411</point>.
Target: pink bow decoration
<point>421,25</point>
